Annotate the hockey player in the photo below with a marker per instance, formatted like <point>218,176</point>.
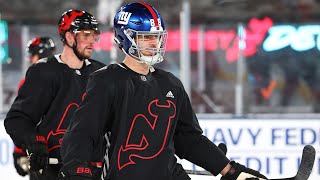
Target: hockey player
<point>38,48</point>
<point>54,88</point>
<point>144,113</point>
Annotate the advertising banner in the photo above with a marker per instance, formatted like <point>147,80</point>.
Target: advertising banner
<point>272,146</point>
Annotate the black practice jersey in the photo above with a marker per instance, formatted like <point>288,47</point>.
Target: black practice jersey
<point>47,100</point>
<point>146,119</point>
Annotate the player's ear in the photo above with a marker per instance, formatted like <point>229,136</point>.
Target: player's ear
<point>69,38</point>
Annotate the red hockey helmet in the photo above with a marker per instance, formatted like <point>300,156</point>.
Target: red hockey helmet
<point>42,46</point>
<point>75,20</point>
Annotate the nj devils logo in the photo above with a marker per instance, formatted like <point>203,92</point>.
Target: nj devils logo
<point>67,20</point>
<point>143,131</point>
<point>54,137</point>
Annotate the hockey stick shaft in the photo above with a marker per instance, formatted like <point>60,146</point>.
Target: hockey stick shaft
<point>306,164</point>
<point>304,171</point>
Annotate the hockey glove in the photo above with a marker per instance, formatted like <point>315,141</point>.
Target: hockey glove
<point>37,153</point>
<point>76,170</point>
<point>240,172</point>
<point>20,161</point>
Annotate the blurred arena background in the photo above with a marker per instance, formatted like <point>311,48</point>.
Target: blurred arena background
<point>251,68</point>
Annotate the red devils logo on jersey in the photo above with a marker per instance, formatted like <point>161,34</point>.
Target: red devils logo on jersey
<point>143,137</point>
<point>62,126</point>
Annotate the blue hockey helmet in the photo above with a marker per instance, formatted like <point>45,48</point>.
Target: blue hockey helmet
<point>140,20</point>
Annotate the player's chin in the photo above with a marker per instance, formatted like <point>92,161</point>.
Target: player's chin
<point>87,54</point>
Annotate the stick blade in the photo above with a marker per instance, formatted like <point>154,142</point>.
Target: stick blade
<point>307,161</point>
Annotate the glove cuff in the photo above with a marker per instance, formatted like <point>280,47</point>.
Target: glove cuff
<point>17,150</point>
<point>37,144</point>
<point>78,168</point>
<point>233,172</point>
<point>238,171</point>
<point>40,139</point>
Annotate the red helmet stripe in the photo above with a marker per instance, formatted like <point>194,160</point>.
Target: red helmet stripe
<point>68,20</point>
<point>153,13</point>
<point>36,41</point>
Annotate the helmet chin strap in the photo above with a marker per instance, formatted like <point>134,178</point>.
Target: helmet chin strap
<point>151,59</point>
<point>75,51</point>
<point>142,59</point>
<point>139,61</point>
<point>134,57</point>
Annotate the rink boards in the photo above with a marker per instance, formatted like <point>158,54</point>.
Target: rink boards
<point>272,146</point>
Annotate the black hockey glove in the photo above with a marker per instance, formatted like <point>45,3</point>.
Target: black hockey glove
<point>37,153</point>
<point>20,163</point>
<point>77,170</point>
<point>240,172</point>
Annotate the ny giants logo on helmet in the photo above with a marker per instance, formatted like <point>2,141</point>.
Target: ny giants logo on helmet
<point>124,18</point>
<point>68,20</point>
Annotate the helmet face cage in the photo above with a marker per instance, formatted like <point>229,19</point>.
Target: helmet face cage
<point>148,54</point>
<point>75,21</point>
<point>135,25</point>
<point>42,46</point>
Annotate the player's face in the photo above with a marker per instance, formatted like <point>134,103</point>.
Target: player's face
<point>148,44</point>
<point>85,40</point>
<point>34,58</point>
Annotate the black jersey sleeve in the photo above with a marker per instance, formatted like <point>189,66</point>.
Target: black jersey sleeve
<point>33,100</point>
<point>89,123</point>
<point>191,145</point>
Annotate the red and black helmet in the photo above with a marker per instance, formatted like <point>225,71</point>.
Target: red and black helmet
<point>42,46</point>
<point>75,20</point>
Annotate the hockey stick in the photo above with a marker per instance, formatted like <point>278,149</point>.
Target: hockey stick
<point>306,164</point>
<point>304,171</point>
